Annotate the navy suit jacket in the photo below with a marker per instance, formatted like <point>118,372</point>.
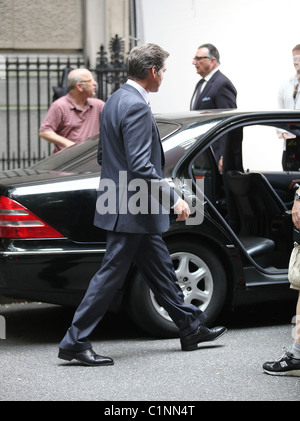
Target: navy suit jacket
<point>132,159</point>
<point>218,93</point>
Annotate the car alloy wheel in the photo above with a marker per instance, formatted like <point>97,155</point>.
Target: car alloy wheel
<point>201,277</point>
<point>195,280</point>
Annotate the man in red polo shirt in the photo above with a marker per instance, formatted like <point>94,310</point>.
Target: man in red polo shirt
<point>76,116</point>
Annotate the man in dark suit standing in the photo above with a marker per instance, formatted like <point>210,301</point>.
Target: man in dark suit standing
<point>214,90</point>
<point>130,152</point>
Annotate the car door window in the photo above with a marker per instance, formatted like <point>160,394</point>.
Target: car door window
<point>262,152</point>
<point>262,149</point>
<point>204,167</point>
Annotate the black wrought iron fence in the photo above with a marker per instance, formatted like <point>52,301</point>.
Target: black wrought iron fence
<point>26,94</point>
<point>111,74</point>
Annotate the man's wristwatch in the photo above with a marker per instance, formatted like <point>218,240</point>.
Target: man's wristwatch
<point>297,196</point>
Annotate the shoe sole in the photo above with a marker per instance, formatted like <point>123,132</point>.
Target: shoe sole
<point>68,357</point>
<point>294,373</point>
<point>195,346</point>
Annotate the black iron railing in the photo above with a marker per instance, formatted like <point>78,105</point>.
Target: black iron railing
<point>26,87</point>
<point>111,74</point>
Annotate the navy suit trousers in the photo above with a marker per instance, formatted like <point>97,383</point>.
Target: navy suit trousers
<point>150,254</point>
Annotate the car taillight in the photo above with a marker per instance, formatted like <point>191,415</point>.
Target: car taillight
<point>16,221</point>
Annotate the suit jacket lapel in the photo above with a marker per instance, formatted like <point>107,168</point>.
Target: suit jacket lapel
<point>209,85</point>
<point>196,96</point>
<point>206,89</point>
<point>159,140</point>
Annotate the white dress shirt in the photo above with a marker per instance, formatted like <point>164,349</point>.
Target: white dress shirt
<point>206,79</point>
<point>141,90</point>
<point>287,101</point>
<point>285,94</point>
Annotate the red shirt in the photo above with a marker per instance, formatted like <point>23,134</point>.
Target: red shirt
<point>66,119</point>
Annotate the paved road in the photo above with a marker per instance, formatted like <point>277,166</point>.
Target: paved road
<point>145,369</point>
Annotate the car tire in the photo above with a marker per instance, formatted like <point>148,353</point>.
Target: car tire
<point>202,279</point>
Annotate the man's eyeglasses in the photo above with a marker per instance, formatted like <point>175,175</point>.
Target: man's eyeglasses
<point>86,81</point>
<point>198,58</point>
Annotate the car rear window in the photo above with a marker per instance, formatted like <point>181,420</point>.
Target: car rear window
<point>70,158</point>
<point>166,128</point>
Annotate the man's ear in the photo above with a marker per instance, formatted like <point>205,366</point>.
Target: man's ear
<point>154,71</point>
<point>79,87</point>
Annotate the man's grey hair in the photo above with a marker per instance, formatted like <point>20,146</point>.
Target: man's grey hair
<point>75,76</point>
<point>72,80</point>
<point>142,58</point>
<point>212,51</point>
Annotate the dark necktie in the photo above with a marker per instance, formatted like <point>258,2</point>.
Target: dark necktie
<point>198,92</point>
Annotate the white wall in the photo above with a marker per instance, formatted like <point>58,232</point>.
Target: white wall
<point>254,38</point>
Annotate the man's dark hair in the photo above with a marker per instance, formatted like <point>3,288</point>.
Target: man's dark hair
<point>142,58</point>
<point>212,50</point>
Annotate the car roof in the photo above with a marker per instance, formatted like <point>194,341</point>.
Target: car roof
<point>207,115</point>
<point>169,124</point>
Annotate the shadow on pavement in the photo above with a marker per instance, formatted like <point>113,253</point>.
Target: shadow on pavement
<point>45,323</point>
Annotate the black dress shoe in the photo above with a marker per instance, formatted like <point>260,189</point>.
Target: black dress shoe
<point>201,334</point>
<point>86,357</point>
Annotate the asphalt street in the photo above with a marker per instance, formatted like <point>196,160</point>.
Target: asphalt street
<point>146,369</point>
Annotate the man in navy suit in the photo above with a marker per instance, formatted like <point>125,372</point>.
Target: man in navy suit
<point>130,152</point>
<point>214,90</point>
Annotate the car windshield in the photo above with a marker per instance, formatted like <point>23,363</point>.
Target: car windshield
<point>178,144</point>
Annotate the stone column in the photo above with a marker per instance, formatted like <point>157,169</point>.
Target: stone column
<point>103,20</point>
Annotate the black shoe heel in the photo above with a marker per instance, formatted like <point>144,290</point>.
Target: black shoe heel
<point>64,355</point>
<point>190,347</point>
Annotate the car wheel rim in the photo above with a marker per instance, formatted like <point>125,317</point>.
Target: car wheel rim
<point>195,280</point>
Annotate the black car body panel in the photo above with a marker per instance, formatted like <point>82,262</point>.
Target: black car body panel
<point>61,190</point>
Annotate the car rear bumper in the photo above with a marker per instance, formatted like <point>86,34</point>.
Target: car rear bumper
<point>44,272</point>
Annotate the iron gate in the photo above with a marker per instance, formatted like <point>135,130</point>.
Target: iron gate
<point>26,94</point>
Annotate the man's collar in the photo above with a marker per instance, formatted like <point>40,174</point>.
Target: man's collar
<point>210,75</point>
<point>138,87</point>
<point>73,104</point>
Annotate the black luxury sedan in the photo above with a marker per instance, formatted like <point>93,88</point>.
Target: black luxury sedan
<point>236,252</point>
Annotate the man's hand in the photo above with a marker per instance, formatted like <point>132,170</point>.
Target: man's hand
<point>182,210</point>
<point>287,135</point>
<point>296,213</point>
<point>220,165</point>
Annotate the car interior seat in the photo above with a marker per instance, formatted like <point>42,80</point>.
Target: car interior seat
<point>254,210</point>
<point>257,203</point>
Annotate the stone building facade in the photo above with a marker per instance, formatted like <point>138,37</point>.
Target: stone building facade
<point>39,39</point>
<point>62,26</point>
